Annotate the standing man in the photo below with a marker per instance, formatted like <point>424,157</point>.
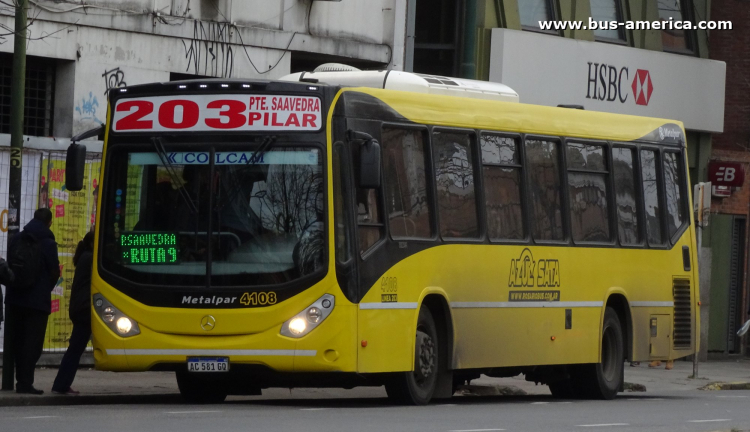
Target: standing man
<point>33,259</point>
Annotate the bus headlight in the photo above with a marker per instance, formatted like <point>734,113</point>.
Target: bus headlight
<point>311,317</point>
<point>297,326</point>
<point>117,321</point>
<point>124,325</point>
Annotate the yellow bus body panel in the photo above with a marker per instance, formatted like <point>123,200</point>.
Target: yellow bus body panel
<point>490,327</point>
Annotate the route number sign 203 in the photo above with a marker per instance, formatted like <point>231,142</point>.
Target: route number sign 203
<point>222,112</point>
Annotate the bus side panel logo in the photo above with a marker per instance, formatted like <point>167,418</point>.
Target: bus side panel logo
<point>526,272</point>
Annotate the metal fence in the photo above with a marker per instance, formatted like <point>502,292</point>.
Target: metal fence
<point>73,214</point>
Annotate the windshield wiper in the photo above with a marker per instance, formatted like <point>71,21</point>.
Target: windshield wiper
<point>159,146</point>
<point>236,185</point>
<point>266,145</point>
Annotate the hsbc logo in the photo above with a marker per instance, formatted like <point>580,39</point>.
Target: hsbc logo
<point>642,87</point>
<point>612,84</point>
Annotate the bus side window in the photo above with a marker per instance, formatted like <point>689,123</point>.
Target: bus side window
<point>587,186</point>
<point>340,205</point>
<point>501,171</point>
<point>370,226</point>
<point>626,198</point>
<point>543,166</point>
<point>673,181</point>
<point>406,197</point>
<point>651,197</point>
<point>456,190</point>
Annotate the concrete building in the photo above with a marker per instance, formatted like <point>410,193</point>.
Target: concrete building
<point>80,49</point>
<point>728,232</point>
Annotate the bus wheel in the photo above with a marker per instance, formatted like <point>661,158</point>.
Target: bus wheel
<point>417,387</point>
<point>198,391</point>
<point>603,380</point>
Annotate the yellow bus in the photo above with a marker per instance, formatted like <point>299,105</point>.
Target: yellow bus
<point>344,229</point>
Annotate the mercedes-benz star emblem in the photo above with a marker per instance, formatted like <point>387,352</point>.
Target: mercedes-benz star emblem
<point>208,323</point>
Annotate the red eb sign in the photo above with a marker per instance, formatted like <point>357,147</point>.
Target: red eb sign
<point>722,173</point>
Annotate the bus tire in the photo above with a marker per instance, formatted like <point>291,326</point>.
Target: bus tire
<point>195,390</point>
<point>418,386</point>
<point>603,380</point>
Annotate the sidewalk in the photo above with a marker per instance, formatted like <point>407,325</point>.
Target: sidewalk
<point>657,379</point>
<point>160,387</point>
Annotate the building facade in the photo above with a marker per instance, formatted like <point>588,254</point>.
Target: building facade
<point>727,235</point>
<point>79,50</point>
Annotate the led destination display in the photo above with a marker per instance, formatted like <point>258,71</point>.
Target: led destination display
<point>149,248</point>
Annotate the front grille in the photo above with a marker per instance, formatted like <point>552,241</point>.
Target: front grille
<point>682,314</point>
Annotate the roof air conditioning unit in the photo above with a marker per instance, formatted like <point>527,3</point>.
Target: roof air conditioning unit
<point>335,67</point>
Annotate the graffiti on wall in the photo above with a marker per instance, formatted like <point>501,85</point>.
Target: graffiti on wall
<point>209,52</point>
<point>114,78</point>
<point>87,107</point>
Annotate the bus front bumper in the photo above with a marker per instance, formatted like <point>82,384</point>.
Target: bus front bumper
<point>331,347</point>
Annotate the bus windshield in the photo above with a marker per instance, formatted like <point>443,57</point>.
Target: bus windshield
<point>192,215</point>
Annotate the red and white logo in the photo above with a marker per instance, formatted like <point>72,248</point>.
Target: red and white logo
<point>642,87</point>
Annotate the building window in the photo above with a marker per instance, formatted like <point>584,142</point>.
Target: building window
<point>606,11</point>
<point>406,197</point>
<point>40,95</point>
<point>533,11</point>
<point>436,37</point>
<point>672,11</point>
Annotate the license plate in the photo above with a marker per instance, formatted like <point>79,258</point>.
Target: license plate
<point>212,364</point>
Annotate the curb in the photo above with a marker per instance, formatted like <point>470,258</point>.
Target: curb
<point>118,399</point>
<point>726,386</point>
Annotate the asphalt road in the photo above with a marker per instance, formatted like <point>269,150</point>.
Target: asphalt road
<point>670,411</point>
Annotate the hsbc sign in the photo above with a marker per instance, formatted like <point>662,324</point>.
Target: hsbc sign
<point>604,77</point>
<point>613,84</point>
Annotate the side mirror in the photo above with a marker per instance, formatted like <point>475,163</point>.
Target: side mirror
<point>75,164</point>
<point>369,164</point>
<point>369,159</point>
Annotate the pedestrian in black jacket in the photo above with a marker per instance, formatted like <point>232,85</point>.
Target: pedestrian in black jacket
<point>28,307</point>
<point>6,278</point>
<point>79,311</point>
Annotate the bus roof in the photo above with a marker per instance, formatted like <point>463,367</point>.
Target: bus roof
<point>412,82</point>
<point>538,120</point>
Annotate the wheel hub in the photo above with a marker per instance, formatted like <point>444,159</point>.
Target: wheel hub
<point>425,361</point>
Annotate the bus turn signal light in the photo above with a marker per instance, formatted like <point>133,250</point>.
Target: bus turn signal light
<point>364,343</point>
<point>552,338</point>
